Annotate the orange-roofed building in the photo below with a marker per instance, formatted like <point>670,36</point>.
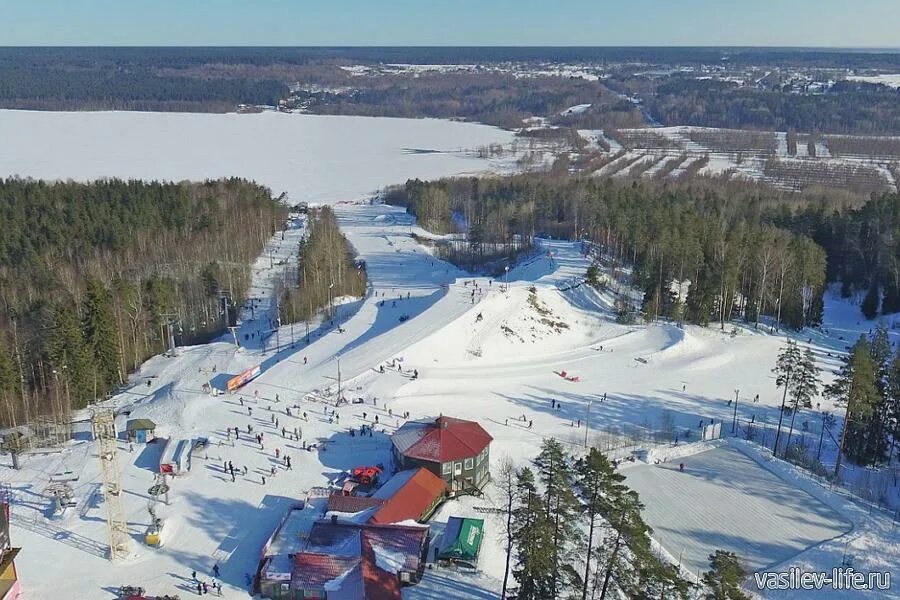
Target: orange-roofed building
<point>455,450</point>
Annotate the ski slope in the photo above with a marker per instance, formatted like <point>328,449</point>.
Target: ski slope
<point>504,369</point>
<point>724,500</point>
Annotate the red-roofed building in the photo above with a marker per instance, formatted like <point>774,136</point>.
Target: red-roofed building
<point>409,495</point>
<point>346,561</point>
<point>455,450</point>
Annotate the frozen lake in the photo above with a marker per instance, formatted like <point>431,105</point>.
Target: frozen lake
<point>724,500</point>
<point>313,158</point>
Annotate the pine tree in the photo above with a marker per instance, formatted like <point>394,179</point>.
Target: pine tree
<point>624,548</point>
<point>723,580</point>
<point>804,388</point>
<point>878,425</point>
<point>10,385</point>
<point>786,366</point>
<point>893,403</point>
<point>855,389</point>
<point>530,532</point>
<point>597,483</point>
<point>70,357</point>
<point>100,333</point>
<point>556,474</point>
<point>872,300</point>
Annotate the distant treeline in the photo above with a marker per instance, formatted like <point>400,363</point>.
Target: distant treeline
<point>91,274</point>
<point>739,250</point>
<point>848,107</point>
<point>94,79</point>
<point>494,98</point>
<point>181,57</point>
<point>326,270</point>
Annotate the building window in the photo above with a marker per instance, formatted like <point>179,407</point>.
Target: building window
<point>448,468</point>
<point>469,464</point>
<point>457,468</point>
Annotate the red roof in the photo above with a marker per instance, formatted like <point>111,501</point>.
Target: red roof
<point>367,571</point>
<point>446,439</point>
<point>408,495</point>
<point>378,583</point>
<point>338,502</point>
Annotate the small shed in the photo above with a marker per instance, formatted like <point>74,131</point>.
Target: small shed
<point>140,430</point>
<point>462,541</point>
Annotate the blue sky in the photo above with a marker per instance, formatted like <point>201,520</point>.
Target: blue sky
<point>843,23</point>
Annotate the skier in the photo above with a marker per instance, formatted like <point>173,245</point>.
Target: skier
<point>215,570</point>
<point>283,432</point>
<point>277,452</point>
<point>376,418</point>
<point>205,588</point>
<point>245,470</point>
<point>199,589</point>
<point>681,467</point>
<point>288,462</point>
<point>249,411</point>
<point>530,423</point>
<point>381,369</point>
<point>304,360</point>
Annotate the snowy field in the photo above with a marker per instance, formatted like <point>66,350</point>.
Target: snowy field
<point>312,158</point>
<point>725,500</point>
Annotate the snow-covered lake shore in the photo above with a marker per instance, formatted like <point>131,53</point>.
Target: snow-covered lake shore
<point>311,157</point>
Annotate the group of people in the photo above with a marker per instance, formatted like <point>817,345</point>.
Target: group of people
<point>203,587</point>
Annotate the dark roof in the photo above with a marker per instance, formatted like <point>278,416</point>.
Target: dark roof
<point>313,571</point>
<point>408,495</point>
<point>338,502</point>
<point>444,440</point>
<point>135,424</point>
<point>358,561</point>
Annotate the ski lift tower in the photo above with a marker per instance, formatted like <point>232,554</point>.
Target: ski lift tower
<point>104,422</point>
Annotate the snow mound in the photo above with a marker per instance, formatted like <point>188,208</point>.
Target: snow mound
<point>503,325</point>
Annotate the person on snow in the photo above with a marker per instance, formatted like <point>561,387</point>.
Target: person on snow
<point>249,411</point>
<point>681,467</point>
<point>304,360</point>
<point>215,570</point>
<point>199,589</point>
<point>381,369</point>
<point>277,452</point>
